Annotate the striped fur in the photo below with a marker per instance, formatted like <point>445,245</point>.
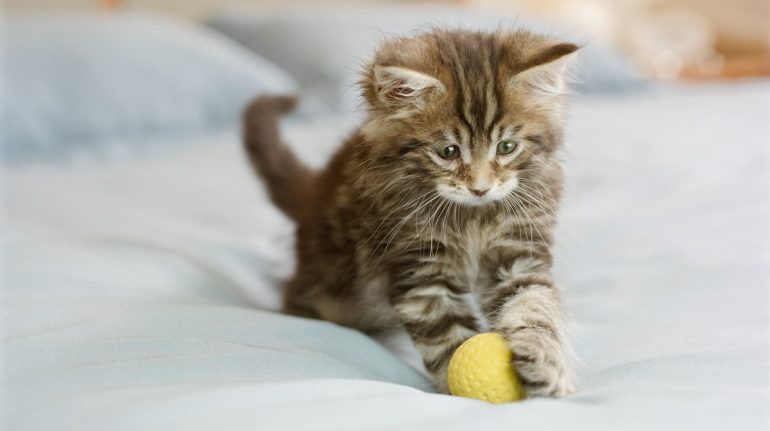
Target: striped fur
<point>393,233</point>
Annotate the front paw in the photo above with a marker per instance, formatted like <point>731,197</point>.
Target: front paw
<point>440,383</point>
<point>541,360</point>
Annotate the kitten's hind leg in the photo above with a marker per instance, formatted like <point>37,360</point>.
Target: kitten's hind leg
<point>295,302</point>
<point>296,309</point>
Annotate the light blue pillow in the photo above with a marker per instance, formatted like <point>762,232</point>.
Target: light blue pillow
<point>323,47</point>
<point>78,83</point>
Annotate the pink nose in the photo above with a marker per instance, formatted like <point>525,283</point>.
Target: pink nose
<point>479,192</point>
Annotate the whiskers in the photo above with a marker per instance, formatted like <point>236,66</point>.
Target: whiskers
<point>408,208</point>
<point>432,217</point>
<point>535,206</point>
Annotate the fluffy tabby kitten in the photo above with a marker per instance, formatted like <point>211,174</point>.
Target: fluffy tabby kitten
<point>437,214</point>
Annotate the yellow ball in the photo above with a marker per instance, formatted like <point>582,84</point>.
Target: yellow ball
<point>481,368</point>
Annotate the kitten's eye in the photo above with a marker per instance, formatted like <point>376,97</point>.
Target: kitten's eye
<point>449,152</point>
<point>506,147</point>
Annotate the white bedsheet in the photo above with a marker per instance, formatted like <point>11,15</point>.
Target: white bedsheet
<point>139,296</point>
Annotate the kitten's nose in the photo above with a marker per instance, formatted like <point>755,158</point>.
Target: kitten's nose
<point>479,192</point>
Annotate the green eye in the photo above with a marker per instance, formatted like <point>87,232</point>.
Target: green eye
<point>506,147</point>
<point>449,152</point>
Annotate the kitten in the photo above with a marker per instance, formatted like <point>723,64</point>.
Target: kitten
<point>437,214</point>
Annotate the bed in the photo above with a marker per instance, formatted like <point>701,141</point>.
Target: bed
<point>141,291</point>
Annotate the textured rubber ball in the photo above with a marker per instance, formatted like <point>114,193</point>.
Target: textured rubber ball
<point>481,368</point>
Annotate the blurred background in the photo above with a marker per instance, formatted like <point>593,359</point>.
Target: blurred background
<point>80,72</point>
<point>687,39</point>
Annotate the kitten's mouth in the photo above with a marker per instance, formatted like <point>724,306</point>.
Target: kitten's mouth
<point>468,198</point>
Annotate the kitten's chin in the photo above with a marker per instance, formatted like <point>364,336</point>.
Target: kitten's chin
<point>475,202</point>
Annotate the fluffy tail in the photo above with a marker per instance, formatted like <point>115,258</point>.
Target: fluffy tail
<point>288,180</point>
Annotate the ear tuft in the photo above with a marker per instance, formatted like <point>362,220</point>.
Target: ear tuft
<point>401,87</point>
<point>547,71</point>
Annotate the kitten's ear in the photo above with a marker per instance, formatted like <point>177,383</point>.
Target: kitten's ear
<point>398,87</point>
<point>546,72</point>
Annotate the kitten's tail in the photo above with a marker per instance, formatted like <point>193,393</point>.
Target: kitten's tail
<point>288,180</point>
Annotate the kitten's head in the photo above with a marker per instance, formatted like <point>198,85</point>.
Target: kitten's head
<point>474,115</point>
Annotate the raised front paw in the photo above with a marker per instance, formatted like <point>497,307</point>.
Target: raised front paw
<point>541,360</point>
